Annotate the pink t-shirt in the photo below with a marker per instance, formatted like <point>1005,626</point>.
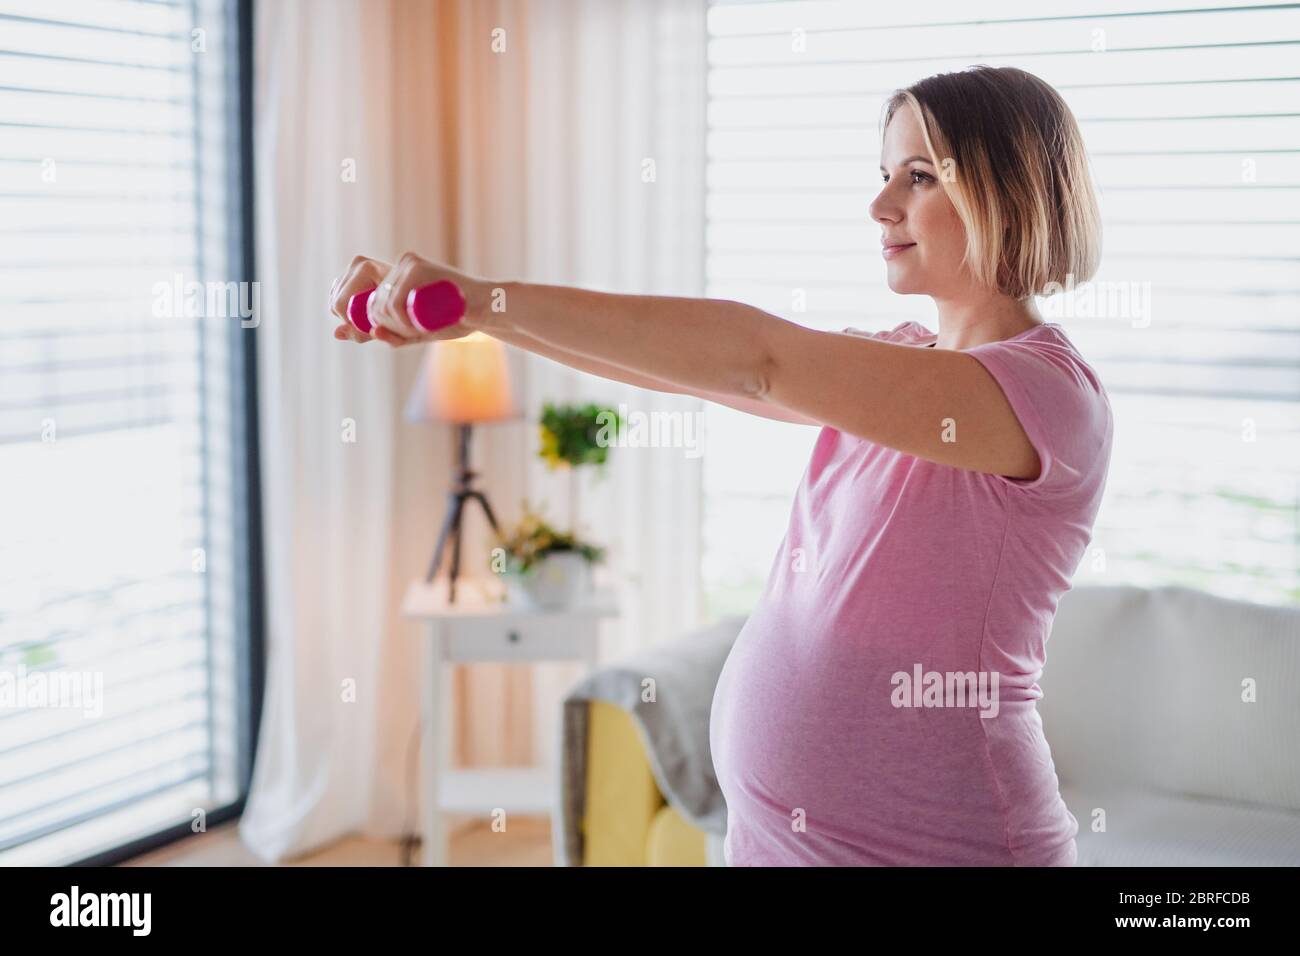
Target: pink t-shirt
<point>896,573</point>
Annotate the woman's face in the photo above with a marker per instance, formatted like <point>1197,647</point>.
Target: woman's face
<point>917,217</point>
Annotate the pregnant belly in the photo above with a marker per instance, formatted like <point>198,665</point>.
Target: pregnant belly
<point>805,733</point>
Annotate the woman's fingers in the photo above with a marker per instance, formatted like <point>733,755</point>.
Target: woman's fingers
<point>386,308</point>
<point>389,337</point>
<point>388,305</point>
<point>410,272</point>
<point>346,333</point>
<point>363,273</point>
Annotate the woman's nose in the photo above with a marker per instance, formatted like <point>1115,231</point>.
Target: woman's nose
<point>883,208</point>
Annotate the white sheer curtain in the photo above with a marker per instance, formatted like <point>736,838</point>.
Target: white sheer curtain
<point>326,501</point>
<point>384,125</point>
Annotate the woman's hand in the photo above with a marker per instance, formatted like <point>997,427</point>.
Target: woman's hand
<point>386,308</point>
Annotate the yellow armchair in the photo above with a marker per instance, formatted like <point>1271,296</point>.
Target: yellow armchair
<point>626,820</point>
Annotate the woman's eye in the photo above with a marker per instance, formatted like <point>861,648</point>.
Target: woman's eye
<point>917,177</point>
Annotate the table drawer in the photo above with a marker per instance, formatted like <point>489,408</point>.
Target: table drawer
<point>530,640</point>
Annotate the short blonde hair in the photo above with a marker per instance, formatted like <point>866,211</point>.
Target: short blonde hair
<point>1011,158</point>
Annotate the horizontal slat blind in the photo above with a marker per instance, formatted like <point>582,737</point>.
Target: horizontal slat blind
<point>1191,114</point>
<point>118,417</point>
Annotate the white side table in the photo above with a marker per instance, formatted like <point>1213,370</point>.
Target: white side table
<point>479,629</point>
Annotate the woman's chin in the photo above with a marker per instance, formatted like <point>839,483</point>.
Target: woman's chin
<point>902,283</point>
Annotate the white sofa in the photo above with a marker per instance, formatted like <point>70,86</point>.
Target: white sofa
<point>1143,708</point>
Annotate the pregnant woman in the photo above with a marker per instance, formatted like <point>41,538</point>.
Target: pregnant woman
<point>879,705</point>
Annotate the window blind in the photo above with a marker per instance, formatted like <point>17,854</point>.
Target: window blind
<point>1189,111</point>
<point>124,517</point>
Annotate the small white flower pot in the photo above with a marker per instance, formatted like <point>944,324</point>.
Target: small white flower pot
<point>558,581</point>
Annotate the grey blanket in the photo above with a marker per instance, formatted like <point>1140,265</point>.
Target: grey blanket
<point>674,729</point>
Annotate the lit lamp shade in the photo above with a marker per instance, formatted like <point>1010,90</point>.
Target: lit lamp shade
<point>463,381</point>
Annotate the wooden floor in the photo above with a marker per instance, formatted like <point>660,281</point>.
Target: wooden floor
<point>526,842</point>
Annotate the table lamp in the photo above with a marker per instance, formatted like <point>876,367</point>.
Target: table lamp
<point>462,382</point>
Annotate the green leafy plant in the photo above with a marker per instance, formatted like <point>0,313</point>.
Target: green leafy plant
<point>532,539</point>
<point>571,434</point>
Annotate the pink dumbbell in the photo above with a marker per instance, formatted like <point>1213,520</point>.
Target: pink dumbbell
<point>431,307</point>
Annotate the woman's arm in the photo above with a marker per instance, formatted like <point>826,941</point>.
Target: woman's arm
<point>936,404</point>
<point>619,374</point>
<point>713,345</point>
<point>366,273</point>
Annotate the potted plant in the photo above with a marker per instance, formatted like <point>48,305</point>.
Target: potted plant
<point>543,567</point>
<point>571,437</point>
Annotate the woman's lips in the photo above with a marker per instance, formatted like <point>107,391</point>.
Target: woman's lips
<point>890,252</point>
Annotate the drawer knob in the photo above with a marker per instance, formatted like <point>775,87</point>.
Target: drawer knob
<point>513,637</point>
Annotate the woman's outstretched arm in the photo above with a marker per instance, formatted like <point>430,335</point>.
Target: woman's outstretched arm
<point>713,345</point>
<point>904,398</point>
<point>617,372</point>
<point>710,345</point>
